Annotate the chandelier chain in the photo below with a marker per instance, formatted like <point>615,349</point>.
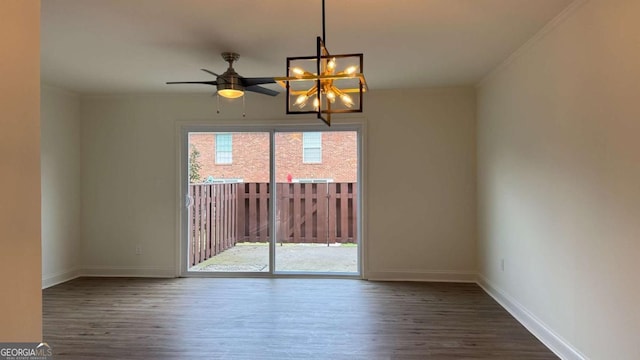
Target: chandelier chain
<point>324,35</point>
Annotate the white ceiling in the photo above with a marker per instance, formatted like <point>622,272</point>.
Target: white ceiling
<point>127,46</point>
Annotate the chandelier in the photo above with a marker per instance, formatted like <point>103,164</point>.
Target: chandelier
<point>324,84</point>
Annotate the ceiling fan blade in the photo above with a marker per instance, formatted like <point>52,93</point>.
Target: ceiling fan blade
<point>210,72</point>
<point>261,90</point>
<point>257,81</point>
<point>193,82</point>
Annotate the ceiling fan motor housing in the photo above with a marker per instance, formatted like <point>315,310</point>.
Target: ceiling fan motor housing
<point>229,80</point>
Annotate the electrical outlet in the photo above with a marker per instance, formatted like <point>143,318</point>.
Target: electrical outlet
<point>502,264</point>
<point>138,249</point>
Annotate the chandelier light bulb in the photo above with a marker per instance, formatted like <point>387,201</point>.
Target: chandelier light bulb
<point>316,103</point>
<point>297,71</point>
<point>331,96</point>
<point>331,65</point>
<point>350,70</point>
<point>346,100</point>
<point>301,101</point>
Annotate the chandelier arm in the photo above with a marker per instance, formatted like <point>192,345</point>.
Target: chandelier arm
<point>312,91</point>
<point>337,91</point>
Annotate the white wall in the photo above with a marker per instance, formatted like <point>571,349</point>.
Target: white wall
<point>422,184</point>
<point>559,180</point>
<point>60,167</point>
<point>20,261</point>
<point>421,180</point>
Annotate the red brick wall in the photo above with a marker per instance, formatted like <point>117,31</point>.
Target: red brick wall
<point>339,157</point>
<point>250,153</point>
<point>250,156</point>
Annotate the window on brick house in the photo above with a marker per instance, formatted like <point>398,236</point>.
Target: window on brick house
<point>224,145</point>
<point>312,147</point>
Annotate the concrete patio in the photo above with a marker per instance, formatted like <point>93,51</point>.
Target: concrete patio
<point>254,257</point>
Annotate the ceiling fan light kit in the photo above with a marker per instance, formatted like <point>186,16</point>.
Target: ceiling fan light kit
<point>230,93</point>
<point>324,84</point>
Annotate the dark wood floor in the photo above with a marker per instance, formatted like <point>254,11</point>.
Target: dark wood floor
<point>196,318</point>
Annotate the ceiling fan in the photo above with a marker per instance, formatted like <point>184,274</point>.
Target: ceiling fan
<point>230,84</point>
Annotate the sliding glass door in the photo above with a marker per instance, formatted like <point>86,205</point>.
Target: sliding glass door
<point>228,197</point>
<point>316,209</point>
<point>271,202</point>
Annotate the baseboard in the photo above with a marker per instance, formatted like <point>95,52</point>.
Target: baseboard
<point>49,280</point>
<point>434,276</point>
<point>539,329</point>
<point>115,271</point>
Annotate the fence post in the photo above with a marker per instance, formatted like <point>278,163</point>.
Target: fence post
<point>353,215</point>
<point>234,214</point>
<point>321,213</point>
<point>262,226</point>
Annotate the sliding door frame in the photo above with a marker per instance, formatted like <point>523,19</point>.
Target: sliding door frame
<point>183,128</point>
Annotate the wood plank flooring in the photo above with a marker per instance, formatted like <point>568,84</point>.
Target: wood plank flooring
<point>200,318</point>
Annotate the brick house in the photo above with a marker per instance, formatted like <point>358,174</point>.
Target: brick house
<point>239,156</point>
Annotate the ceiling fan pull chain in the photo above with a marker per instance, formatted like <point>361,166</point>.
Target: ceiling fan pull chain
<point>243,108</point>
<point>217,104</point>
